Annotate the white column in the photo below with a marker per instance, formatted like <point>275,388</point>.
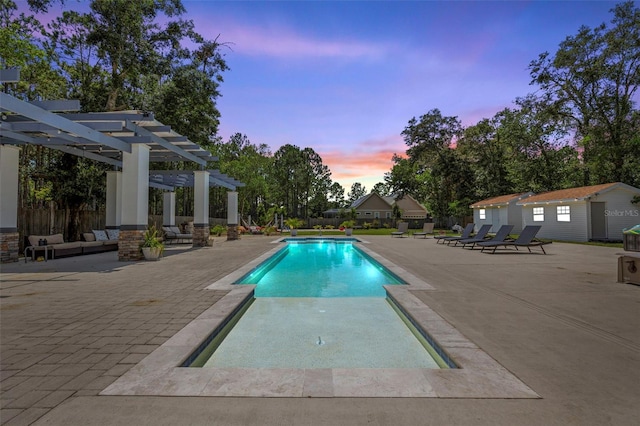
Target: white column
<point>169,208</point>
<point>232,208</point>
<point>114,200</point>
<point>201,198</point>
<point>135,188</point>
<point>9,158</point>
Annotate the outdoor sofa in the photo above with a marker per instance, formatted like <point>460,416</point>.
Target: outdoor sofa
<point>94,242</point>
<point>172,234</point>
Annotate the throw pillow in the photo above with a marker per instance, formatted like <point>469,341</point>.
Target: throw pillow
<point>100,235</point>
<point>113,234</point>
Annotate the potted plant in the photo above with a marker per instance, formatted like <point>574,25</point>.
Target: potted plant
<point>293,223</point>
<point>268,230</point>
<point>217,230</point>
<point>348,227</point>
<point>152,246</point>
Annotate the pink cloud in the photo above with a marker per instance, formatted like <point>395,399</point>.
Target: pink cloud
<point>285,43</point>
<point>367,165</point>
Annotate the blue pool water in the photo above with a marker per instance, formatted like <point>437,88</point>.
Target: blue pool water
<point>320,269</point>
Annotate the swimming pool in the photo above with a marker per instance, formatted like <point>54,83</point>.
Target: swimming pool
<point>320,268</point>
<point>318,304</point>
<point>166,371</point>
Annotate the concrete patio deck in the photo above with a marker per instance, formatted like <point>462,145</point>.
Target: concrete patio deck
<point>560,323</point>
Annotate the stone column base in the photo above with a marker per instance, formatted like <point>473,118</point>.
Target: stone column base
<point>129,245</point>
<point>200,234</point>
<point>9,248</point>
<point>232,232</point>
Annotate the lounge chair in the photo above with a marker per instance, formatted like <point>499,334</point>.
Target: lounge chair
<point>403,227</point>
<point>481,235</point>
<point>172,234</point>
<point>427,228</point>
<point>466,233</point>
<point>525,239</point>
<point>499,238</point>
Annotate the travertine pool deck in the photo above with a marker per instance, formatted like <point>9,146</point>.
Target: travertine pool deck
<point>558,327</point>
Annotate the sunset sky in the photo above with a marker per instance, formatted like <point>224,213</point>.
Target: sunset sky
<point>345,77</point>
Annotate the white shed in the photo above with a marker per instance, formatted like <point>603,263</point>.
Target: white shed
<point>498,211</point>
<point>587,213</point>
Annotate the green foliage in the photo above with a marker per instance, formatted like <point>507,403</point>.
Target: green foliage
<point>293,223</point>
<point>269,230</point>
<point>151,238</point>
<point>217,230</point>
<point>299,181</point>
<point>357,191</point>
<point>592,80</point>
<point>348,224</point>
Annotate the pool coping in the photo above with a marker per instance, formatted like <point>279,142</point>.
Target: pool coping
<point>478,375</point>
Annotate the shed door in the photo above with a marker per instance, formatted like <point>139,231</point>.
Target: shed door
<point>598,221</point>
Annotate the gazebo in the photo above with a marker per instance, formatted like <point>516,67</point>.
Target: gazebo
<point>128,140</point>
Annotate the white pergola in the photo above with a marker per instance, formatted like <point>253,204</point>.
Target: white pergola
<point>127,140</point>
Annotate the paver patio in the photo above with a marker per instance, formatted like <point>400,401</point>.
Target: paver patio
<point>560,323</point>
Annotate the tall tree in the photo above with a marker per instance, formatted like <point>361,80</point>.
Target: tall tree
<point>593,78</point>
<point>382,189</point>
<point>486,155</point>
<point>300,181</point>
<point>336,196</point>
<point>449,182</point>
<point>538,155</point>
<point>357,191</point>
<point>250,164</point>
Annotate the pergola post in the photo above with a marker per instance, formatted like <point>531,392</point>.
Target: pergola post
<point>135,190</point>
<point>200,208</point>
<point>114,200</point>
<point>9,156</point>
<point>169,208</point>
<point>232,216</point>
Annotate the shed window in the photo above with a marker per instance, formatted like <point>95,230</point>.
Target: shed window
<point>367,214</point>
<point>376,215</point>
<point>538,214</point>
<point>387,215</point>
<point>482,214</point>
<point>564,213</point>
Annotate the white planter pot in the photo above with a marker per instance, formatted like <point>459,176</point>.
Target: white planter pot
<point>152,253</point>
<point>294,232</point>
<point>348,232</point>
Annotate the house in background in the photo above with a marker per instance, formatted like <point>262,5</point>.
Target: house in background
<point>373,206</point>
<point>410,208</point>
<point>598,212</point>
<point>498,211</point>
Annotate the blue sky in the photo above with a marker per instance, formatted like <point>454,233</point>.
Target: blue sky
<point>345,77</point>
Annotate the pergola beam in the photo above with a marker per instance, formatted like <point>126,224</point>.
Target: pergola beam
<point>163,143</point>
<point>35,113</point>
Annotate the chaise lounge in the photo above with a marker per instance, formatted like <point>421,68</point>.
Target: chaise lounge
<point>481,235</point>
<point>525,239</point>
<point>500,237</point>
<point>427,228</point>
<point>403,228</point>
<point>466,233</point>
